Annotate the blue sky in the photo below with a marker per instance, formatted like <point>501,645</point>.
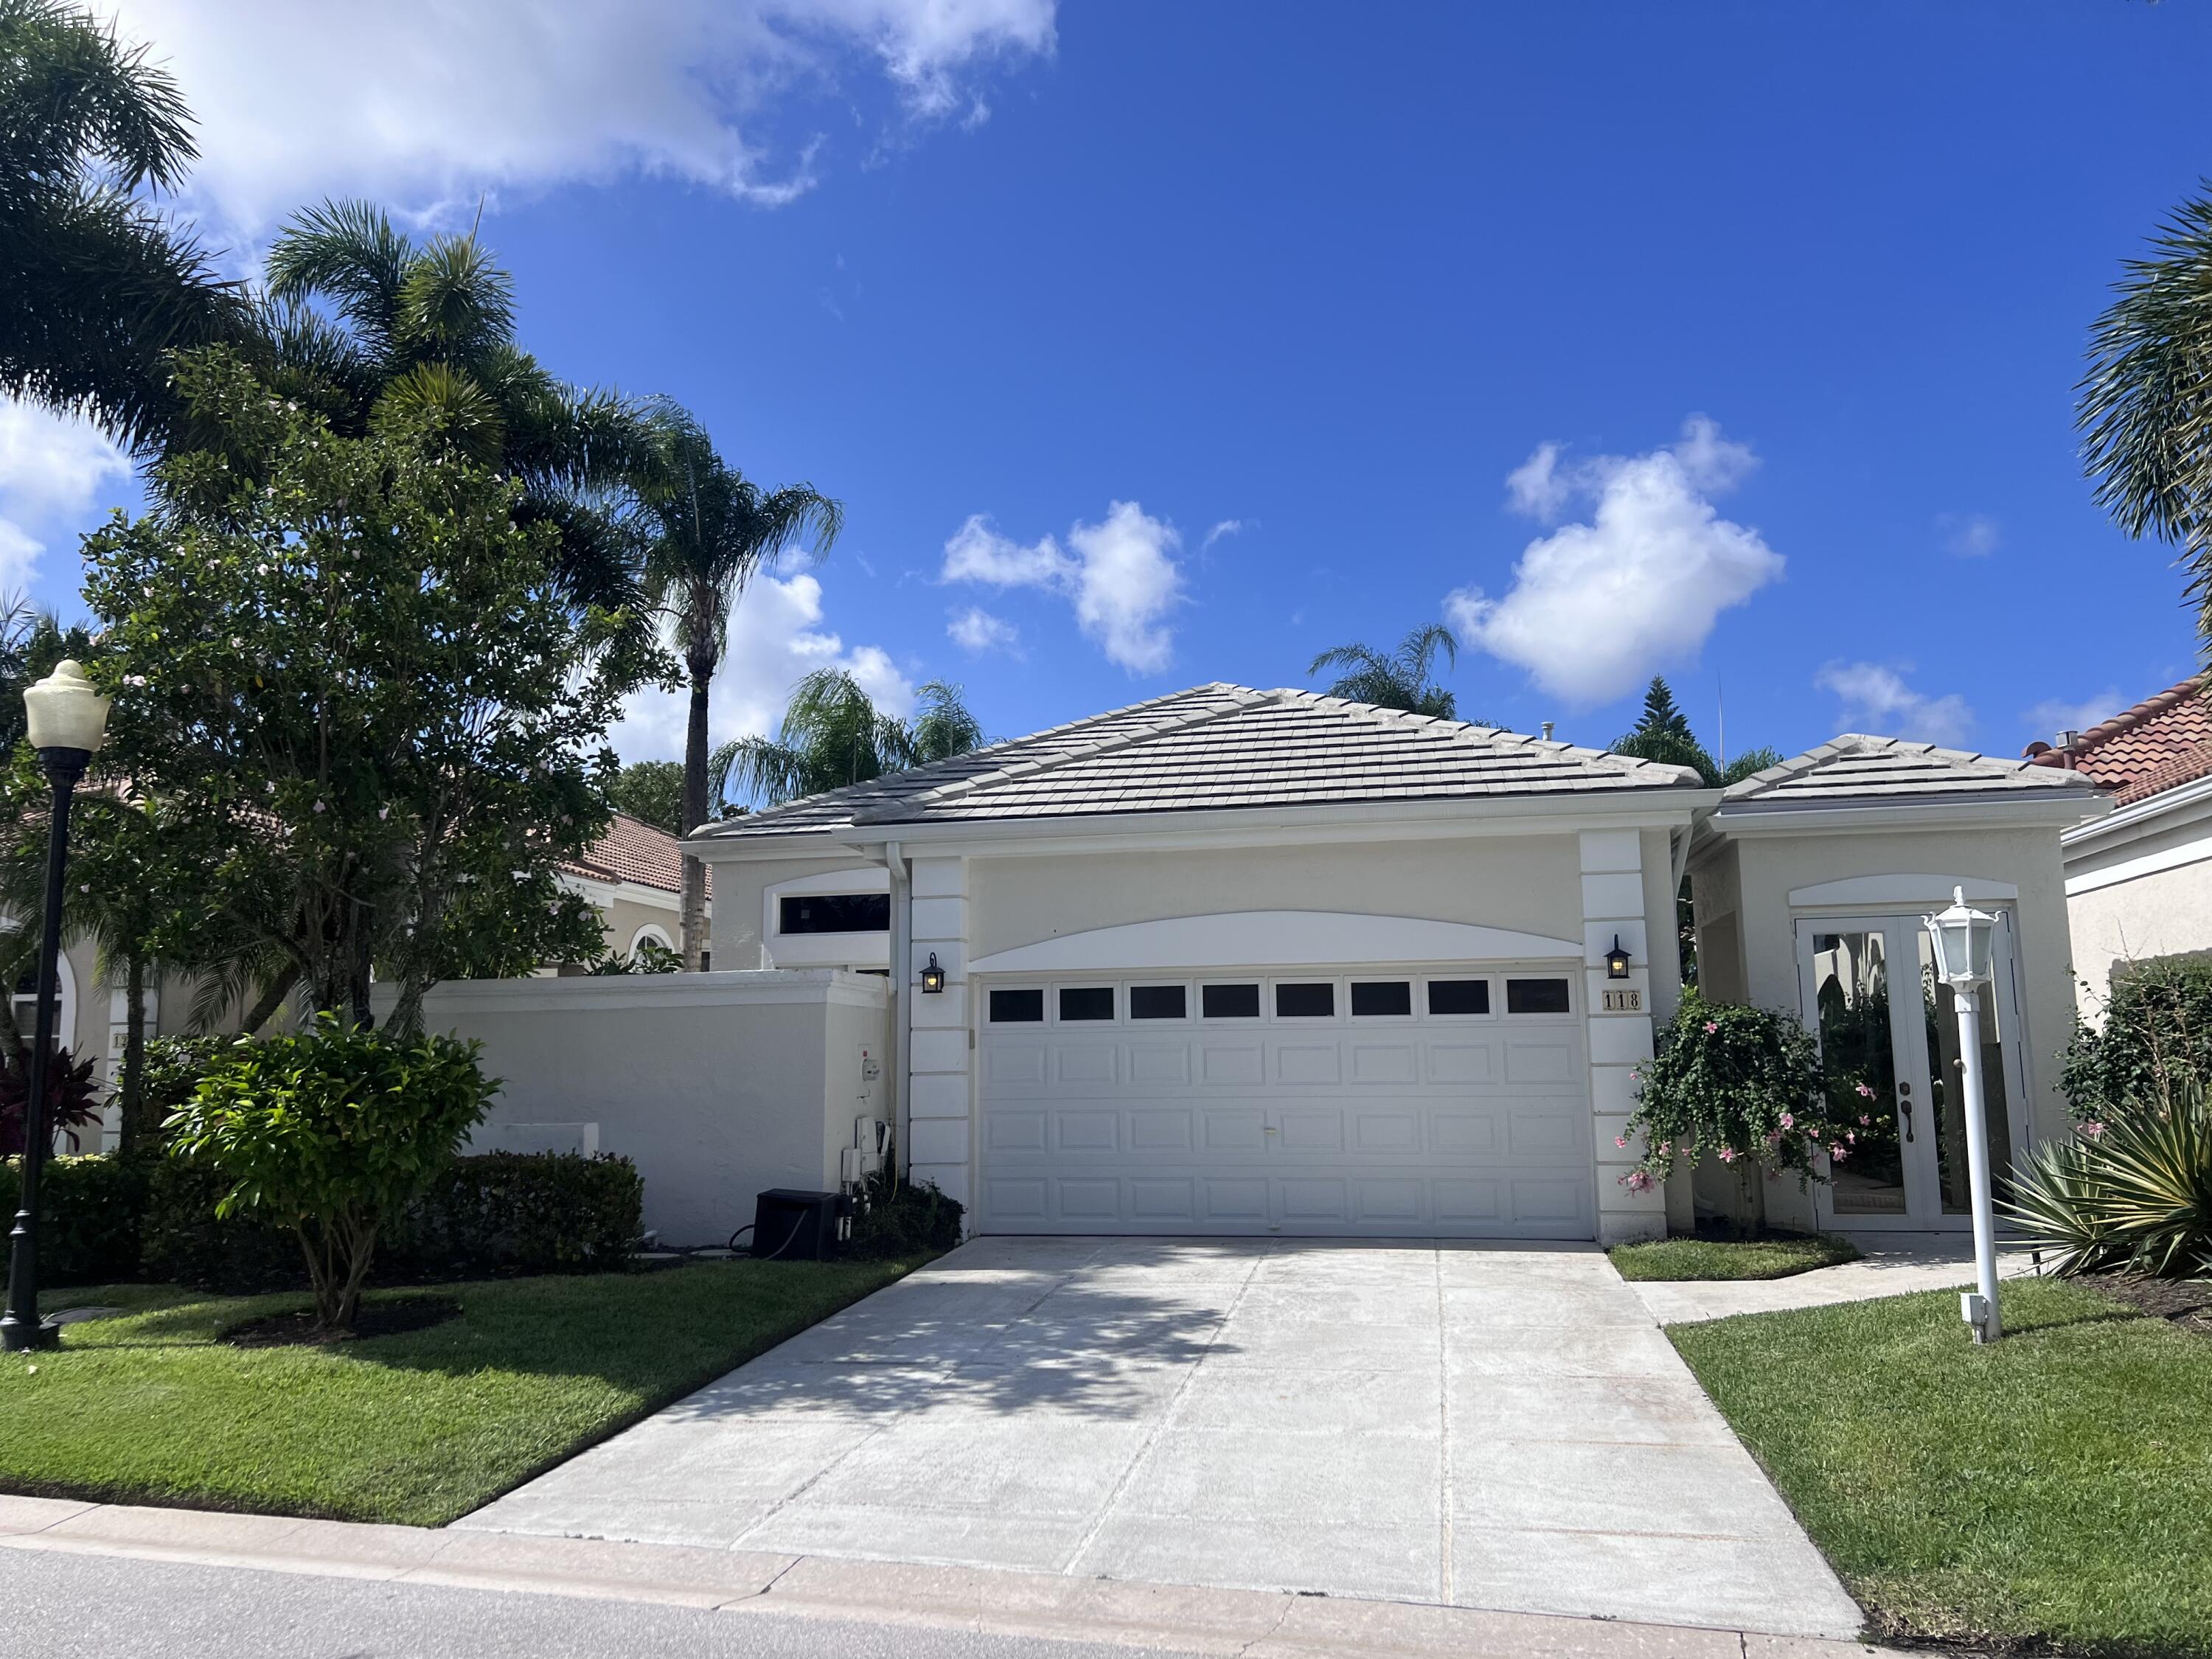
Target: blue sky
<point>1153,344</point>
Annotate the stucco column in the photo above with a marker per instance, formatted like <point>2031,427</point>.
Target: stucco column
<point>940,1084</point>
<point>1614,906</point>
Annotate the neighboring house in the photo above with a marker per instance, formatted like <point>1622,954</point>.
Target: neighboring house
<point>2139,880</point>
<point>1246,962</point>
<point>634,874</point>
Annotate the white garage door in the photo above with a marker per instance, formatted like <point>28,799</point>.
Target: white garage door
<point>1449,1103</point>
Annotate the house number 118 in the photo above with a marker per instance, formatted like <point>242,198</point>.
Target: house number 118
<point>1623,1002</point>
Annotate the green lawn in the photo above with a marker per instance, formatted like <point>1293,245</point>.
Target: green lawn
<point>2053,1488</point>
<point>1710,1258</point>
<point>419,1428</point>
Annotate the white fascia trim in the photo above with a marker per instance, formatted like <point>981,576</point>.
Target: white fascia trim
<point>1746,819</point>
<point>2151,864</point>
<point>1901,889</point>
<point>1365,821</point>
<point>736,987</point>
<point>1268,939</point>
<point>2170,809</point>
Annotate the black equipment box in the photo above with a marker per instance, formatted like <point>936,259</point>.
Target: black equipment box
<point>791,1225</point>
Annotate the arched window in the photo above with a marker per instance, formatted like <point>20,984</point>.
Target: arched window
<point>651,931</point>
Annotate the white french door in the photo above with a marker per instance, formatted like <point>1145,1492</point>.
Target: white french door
<point>1888,1033</point>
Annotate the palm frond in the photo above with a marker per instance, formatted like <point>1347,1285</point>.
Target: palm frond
<point>347,254</point>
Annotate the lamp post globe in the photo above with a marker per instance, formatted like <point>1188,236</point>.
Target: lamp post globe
<point>1963,941</point>
<point>67,717</point>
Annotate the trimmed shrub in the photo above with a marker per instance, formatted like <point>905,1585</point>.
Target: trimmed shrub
<point>523,1212</point>
<point>333,1131</point>
<point>2156,1036</point>
<point>897,1218</point>
<point>89,1211</point>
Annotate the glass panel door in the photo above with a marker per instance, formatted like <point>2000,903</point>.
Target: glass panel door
<point>1888,1033</point>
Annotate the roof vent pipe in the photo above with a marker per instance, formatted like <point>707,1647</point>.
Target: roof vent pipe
<point>1547,730</point>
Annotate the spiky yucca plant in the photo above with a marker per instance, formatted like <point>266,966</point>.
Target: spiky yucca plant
<point>2135,1192</point>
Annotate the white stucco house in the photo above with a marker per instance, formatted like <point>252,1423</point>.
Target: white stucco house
<point>1264,962</point>
<point>2139,879</point>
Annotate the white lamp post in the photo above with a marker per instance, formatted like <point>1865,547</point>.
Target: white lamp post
<point>1962,938</point>
<point>68,719</point>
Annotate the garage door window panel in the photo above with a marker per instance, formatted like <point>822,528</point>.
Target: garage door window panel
<point>1305,1000</point>
<point>1382,999</point>
<point>1237,1000</point>
<point>1159,1002</point>
<point>1017,1007</point>
<point>1458,999</point>
<point>1086,1005</point>
<point>1539,996</point>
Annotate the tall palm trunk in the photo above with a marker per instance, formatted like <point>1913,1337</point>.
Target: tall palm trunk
<point>693,913</point>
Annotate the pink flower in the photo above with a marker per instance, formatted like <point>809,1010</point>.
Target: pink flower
<point>1665,1147</point>
<point>1620,1140</point>
<point>1866,1090</point>
<point>1839,1154</point>
<point>1813,1134</point>
<point>2092,1129</point>
<point>1728,1154</point>
<point>1711,1026</point>
<point>1636,1181</point>
<point>1851,1135</point>
<point>1789,1121</point>
<point>1863,1118</point>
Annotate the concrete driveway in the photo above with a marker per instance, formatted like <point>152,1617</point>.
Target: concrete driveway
<point>1498,1427</point>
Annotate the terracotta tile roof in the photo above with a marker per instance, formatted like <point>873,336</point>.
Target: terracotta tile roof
<point>1215,747</point>
<point>1858,767</point>
<point>634,851</point>
<point>2161,744</point>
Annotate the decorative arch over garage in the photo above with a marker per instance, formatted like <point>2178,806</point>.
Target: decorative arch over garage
<point>1267,939</point>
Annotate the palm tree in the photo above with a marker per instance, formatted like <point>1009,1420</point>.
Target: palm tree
<point>1399,680</point>
<point>833,734</point>
<point>709,528</point>
<point>2145,405</point>
<point>96,285</point>
<point>364,326</point>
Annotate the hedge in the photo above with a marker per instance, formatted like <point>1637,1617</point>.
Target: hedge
<point>103,1220</point>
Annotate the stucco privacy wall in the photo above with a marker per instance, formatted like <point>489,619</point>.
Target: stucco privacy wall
<point>716,1085</point>
<point>1767,867</point>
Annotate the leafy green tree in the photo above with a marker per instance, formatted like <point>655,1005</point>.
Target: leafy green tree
<point>651,791</point>
<point>833,735</point>
<point>332,1132</point>
<point>1397,679</point>
<point>708,529</point>
<point>374,721</point>
<point>95,284</point>
<point>2144,407</point>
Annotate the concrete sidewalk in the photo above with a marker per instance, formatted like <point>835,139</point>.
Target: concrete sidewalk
<point>1498,1427</point>
<point>1044,1606</point>
<point>1895,1264</point>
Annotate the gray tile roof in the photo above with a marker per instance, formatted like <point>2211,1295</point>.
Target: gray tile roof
<point>1217,747</point>
<point>1856,767</point>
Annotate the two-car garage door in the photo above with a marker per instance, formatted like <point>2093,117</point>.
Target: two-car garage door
<point>1434,1102</point>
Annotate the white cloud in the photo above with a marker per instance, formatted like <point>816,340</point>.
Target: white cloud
<point>2048,718</point>
<point>1969,535</point>
<point>1120,572</point>
<point>1597,607</point>
<point>1226,527</point>
<point>775,639</point>
<point>422,103</point>
<point>1877,700</point>
<point>54,470</point>
<point>977,631</point>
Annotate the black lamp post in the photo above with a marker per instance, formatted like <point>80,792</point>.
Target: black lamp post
<point>68,718</point>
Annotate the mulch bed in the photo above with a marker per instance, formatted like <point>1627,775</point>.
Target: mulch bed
<point>2184,1301</point>
<point>412,1312</point>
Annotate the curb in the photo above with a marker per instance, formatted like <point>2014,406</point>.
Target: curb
<point>1252,1623</point>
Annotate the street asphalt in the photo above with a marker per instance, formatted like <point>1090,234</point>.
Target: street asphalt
<point>56,1606</point>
